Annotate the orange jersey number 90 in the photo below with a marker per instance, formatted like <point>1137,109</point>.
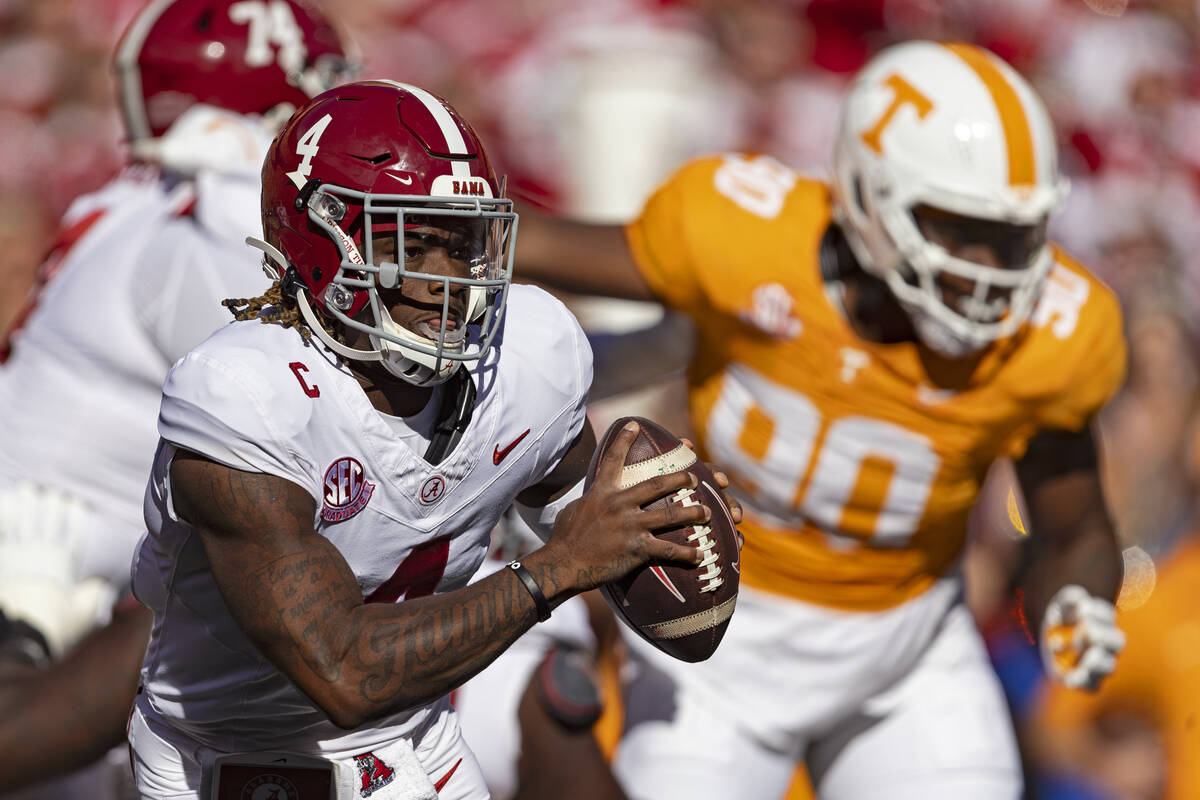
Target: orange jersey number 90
<point>851,476</point>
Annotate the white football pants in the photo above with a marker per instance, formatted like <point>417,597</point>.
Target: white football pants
<point>896,705</point>
<point>170,766</point>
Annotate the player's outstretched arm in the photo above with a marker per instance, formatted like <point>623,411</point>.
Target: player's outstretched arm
<point>1076,567</point>
<point>63,717</point>
<point>296,598</point>
<point>578,257</point>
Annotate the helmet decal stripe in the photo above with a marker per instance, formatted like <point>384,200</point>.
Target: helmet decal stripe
<point>1018,137</point>
<point>455,144</point>
<point>130,76</point>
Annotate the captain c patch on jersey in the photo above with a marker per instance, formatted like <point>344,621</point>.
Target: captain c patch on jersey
<point>347,490</point>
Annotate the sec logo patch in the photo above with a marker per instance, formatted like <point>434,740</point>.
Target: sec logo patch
<point>347,490</point>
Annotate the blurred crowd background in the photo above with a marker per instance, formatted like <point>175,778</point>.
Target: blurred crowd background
<point>587,104</point>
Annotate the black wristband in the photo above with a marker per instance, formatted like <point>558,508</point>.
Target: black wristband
<point>535,591</point>
<point>21,641</point>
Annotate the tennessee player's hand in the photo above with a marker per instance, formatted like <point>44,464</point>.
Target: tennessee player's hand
<point>735,508</point>
<point>1080,638</point>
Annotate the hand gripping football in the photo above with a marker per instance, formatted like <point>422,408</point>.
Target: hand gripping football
<point>681,611</point>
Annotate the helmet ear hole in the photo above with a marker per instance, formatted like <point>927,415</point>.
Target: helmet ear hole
<point>292,283</point>
<point>858,193</point>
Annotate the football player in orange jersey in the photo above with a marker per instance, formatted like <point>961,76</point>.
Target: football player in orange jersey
<point>865,348</point>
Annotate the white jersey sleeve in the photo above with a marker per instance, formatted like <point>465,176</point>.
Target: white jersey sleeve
<point>183,276</point>
<point>562,372</point>
<point>217,403</point>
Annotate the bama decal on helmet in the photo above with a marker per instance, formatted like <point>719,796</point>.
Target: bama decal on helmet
<point>454,186</point>
<point>347,490</point>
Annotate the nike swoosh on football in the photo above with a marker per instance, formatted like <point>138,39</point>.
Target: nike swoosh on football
<point>405,180</point>
<point>498,454</point>
<point>437,787</point>
<point>665,580</point>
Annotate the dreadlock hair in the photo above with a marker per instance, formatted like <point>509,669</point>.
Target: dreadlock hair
<point>274,307</point>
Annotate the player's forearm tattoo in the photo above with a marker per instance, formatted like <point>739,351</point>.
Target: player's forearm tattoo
<point>398,655</point>
<point>437,645</point>
<point>303,581</point>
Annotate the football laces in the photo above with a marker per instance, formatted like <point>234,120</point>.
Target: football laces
<point>711,576</point>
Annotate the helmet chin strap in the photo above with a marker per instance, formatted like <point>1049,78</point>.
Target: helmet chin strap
<point>318,330</point>
<point>385,355</point>
<point>416,368</point>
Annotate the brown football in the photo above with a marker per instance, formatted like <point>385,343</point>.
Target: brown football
<point>681,611</point>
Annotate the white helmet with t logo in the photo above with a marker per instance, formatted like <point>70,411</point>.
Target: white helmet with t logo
<point>948,135</point>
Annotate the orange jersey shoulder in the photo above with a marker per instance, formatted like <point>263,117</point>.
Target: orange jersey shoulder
<point>1072,358</point>
<point>722,227</point>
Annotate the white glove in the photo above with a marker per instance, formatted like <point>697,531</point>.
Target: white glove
<point>206,138</point>
<point>1080,638</point>
<point>223,153</point>
<point>40,535</point>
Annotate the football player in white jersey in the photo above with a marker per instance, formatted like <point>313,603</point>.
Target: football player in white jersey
<point>134,279</point>
<point>331,466</point>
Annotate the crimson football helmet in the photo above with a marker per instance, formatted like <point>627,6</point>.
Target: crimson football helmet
<point>246,56</point>
<point>376,157</point>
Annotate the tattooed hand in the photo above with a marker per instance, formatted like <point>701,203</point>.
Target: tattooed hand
<point>606,534</point>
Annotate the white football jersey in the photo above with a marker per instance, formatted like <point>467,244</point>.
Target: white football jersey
<point>257,398</point>
<point>132,284</point>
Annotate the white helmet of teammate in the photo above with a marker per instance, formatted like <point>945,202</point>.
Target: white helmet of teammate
<point>948,132</point>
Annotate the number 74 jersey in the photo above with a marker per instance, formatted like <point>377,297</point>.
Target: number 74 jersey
<point>857,462</point>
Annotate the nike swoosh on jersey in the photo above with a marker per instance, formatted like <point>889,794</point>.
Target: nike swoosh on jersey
<point>498,454</point>
<point>437,787</point>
